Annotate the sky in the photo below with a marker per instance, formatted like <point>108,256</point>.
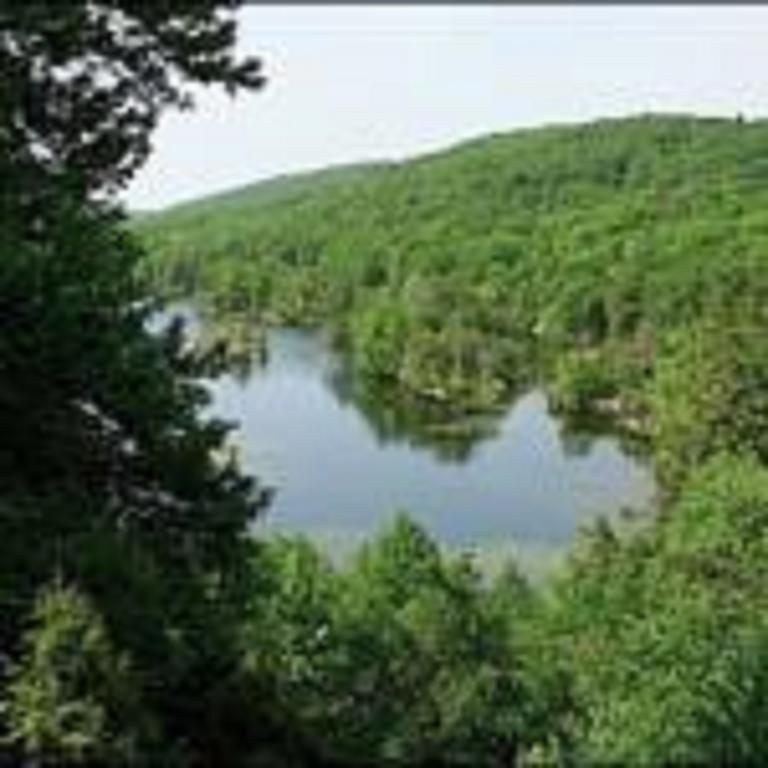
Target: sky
<point>354,83</point>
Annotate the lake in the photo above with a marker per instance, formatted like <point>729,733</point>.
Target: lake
<point>343,464</point>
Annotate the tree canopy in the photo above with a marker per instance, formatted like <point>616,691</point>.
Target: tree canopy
<point>113,485</point>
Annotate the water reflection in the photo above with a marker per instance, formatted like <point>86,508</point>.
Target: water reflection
<point>343,457</point>
<point>396,419</point>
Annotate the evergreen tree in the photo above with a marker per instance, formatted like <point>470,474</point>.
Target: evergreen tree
<point>110,479</point>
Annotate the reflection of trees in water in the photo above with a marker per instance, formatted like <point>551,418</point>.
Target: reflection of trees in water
<point>578,433</point>
<point>575,445</point>
<point>451,436</point>
<point>239,344</point>
<point>242,347</point>
<point>231,342</point>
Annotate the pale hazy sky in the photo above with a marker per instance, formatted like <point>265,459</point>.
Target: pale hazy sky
<point>374,82</point>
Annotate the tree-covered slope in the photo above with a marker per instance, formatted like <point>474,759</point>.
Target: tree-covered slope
<point>580,247</point>
<point>223,208</point>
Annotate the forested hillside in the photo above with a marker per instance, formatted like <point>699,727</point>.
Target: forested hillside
<point>580,246</point>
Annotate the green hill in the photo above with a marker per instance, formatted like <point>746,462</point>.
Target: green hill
<point>242,200</point>
<point>570,250</point>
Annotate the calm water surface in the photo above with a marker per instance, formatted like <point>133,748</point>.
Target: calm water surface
<point>342,469</point>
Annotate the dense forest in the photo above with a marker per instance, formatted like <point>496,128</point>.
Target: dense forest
<point>572,253</point>
<point>143,622</point>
